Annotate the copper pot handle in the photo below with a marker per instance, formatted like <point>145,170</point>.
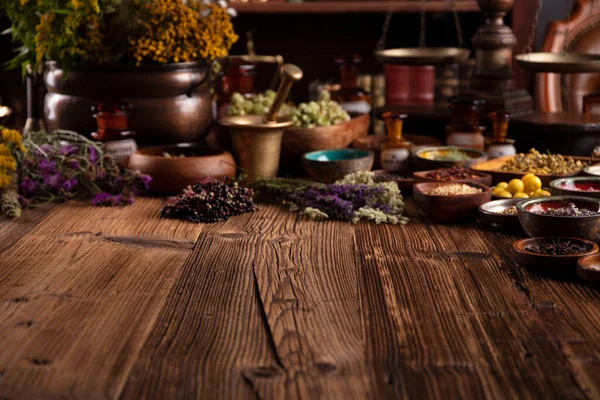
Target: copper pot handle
<point>216,70</point>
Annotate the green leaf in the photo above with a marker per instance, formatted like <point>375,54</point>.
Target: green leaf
<point>64,11</point>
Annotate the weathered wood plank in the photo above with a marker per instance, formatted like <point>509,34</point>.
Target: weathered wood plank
<point>140,220</point>
<point>451,322</point>
<point>12,230</point>
<point>75,311</point>
<point>282,295</point>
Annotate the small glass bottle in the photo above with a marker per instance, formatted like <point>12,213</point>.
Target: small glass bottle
<point>113,131</point>
<point>395,151</point>
<point>500,145</point>
<point>351,97</point>
<point>464,129</point>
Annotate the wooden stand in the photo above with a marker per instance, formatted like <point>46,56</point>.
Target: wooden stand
<point>493,75</point>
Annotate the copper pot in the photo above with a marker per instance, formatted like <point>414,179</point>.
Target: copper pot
<point>170,103</point>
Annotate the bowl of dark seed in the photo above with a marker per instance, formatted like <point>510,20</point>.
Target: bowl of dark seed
<point>501,213</point>
<point>588,269</point>
<point>552,254</point>
<point>571,216</point>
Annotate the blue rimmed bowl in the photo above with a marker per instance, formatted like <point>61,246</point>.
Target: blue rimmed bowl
<point>327,166</point>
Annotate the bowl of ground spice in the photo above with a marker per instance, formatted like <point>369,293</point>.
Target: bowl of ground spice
<point>449,201</point>
<point>571,216</point>
<point>552,254</point>
<point>588,269</point>
<point>501,213</point>
<point>453,174</point>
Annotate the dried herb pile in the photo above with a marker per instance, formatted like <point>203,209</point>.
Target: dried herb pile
<point>569,211</point>
<point>558,249</point>
<point>354,198</point>
<point>208,201</point>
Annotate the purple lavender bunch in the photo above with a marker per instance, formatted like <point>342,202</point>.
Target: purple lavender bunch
<point>64,165</point>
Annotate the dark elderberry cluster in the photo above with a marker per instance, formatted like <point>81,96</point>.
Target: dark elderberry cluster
<point>210,201</point>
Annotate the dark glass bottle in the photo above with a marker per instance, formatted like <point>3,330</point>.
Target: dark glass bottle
<point>351,97</point>
<point>500,145</point>
<point>112,118</point>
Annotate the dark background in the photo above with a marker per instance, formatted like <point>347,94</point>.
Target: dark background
<point>312,41</point>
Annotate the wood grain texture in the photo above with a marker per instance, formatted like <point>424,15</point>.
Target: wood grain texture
<point>270,305</point>
<point>12,230</point>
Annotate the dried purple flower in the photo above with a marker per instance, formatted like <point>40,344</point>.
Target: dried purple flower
<point>94,157</point>
<point>47,166</point>
<point>54,182</point>
<point>102,199</point>
<point>68,150</point>
<point>145,179</point>
<point>70,184</point>
<point>28,186</point>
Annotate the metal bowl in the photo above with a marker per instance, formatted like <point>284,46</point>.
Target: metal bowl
<point>568,187</point>
<point>492,212</point>
<point>423,162</point>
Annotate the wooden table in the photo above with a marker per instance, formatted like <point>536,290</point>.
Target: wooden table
<point>116,303</point>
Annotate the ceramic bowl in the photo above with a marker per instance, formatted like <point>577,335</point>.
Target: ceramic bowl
<point>425,158</point>
<point>327,166</point>
<point>548,263</point>
<point>588,268</point>
<point>450,208</point>
<point>592,170</point>
<point>297,141</point>
<point>373,143</point>
<point>170,175</point>
<point>492,212</point>
<point>535,224</point>
<point>484,179</point>
<point>580,186</point>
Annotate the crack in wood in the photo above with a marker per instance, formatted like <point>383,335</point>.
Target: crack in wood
<point>152,242</point>
<point>265,320</point>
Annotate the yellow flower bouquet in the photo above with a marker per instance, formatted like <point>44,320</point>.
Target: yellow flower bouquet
<point>76,33</point>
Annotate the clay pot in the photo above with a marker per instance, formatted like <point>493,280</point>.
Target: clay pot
<point>170,103</point>
<point>170,175</point>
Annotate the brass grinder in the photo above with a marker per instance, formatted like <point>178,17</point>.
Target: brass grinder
<point>257,138</point>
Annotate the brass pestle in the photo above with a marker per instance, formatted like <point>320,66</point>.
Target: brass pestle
<point>257,138</point>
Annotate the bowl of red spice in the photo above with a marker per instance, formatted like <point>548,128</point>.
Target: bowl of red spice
<point>580,186</point>
<point>453,174</point>
<point>449,201</point>
<point>572,216</point>
<point>552,254</point>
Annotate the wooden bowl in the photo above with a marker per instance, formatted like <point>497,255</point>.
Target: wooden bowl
<point>450,208</point>
<point>403,182</point>
<point>423,160</point>
<point>576,187</point>
<point>588,268</point>
<point>327,166</point>
<point>492,212</point>
<point>537,225</point>
<point>484,179</point>
<point>170,175</point>
<point>548,263</point>
<point>297,141</point>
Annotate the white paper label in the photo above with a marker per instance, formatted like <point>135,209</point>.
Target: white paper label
<point>361,107</point>
<point>120,150</point>
<point>394,160</point>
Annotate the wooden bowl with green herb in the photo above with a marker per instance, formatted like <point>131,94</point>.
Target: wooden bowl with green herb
<point>430,158</point>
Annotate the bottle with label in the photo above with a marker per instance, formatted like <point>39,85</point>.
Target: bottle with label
<point>351,97</point>
<point>395,151</point>
<point>113,131</point>
<point>500,145</point>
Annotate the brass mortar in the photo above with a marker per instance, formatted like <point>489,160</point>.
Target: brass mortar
<point>257,138</point>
